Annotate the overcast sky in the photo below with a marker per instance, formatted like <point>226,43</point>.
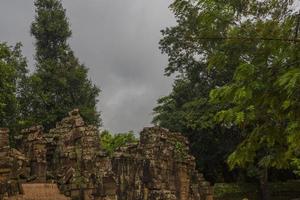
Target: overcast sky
<point>118,41</point>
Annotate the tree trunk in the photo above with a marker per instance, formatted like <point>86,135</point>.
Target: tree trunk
<point>264,185</point>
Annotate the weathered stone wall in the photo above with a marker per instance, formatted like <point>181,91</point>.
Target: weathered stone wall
<point>33,144</point>
<point>12,167</point>
<point>158,168</point>
<point>81,168</point>
<point>39,191</point>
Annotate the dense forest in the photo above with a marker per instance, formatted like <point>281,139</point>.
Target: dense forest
<point>236,90</point>
<point>235,95</point>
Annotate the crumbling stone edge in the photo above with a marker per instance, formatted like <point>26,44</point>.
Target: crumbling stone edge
<point>158,167</point>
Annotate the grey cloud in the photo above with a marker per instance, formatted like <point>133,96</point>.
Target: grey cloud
<point>118,41</point>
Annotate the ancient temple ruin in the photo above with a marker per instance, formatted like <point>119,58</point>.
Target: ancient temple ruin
<point>78,163</point>
<point>33,144</point>
<point>12,166</point>
<point>69,160</point>
<point>159,167</point>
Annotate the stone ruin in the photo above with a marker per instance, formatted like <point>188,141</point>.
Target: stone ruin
<point>12,167</point>
<point>80,166</point>
<point>159,167</point>
<point>33,143</point>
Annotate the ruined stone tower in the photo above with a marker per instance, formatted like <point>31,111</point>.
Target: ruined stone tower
<point>80,166</point>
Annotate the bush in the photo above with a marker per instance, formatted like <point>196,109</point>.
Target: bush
<point>238,191</point>
<point>111,142</point>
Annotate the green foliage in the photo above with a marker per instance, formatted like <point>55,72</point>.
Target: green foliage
<point>236,191</point>
<point>263,89</point>
<point>187,108</point>
<point>237,79</point>
<point>180,151</point>
<point>111,142</point>
<point>13,70</point>
<point>60,82</point>
<point>51,30</point>
<point>8,101</point>
<point>296,165</point>
<point>239,191</point>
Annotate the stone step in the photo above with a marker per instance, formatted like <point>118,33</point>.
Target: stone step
<point>40,191</point>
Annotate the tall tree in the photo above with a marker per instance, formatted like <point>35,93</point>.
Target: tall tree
<point>187,108</point>
<point>60,82</point>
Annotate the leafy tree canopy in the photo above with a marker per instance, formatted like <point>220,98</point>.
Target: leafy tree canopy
<point>236,73</point>
<point>13,69</point>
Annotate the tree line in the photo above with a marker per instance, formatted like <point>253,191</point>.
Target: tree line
<point>236,91</point>
<point>59,82</point>
<point>235,95</point>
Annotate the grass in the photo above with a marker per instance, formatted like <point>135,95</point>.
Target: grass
<point>238,191</point>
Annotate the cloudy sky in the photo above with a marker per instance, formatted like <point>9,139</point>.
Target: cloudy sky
<point>118,41</point>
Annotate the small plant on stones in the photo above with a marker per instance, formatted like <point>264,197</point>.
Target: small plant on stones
<point>181,154</point>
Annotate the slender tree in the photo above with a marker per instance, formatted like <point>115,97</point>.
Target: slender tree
<point>60,82</point>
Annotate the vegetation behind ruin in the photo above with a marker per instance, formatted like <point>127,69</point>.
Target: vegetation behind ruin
<point>235,95</point>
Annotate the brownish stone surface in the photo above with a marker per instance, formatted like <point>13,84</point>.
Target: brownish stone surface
<point>79,165</point>
<point>158,168</point>
<point>34,147</point>
<point>12,167</point>
<point>40,191</point>
<point>69,159</point>
<point>4,140</point>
